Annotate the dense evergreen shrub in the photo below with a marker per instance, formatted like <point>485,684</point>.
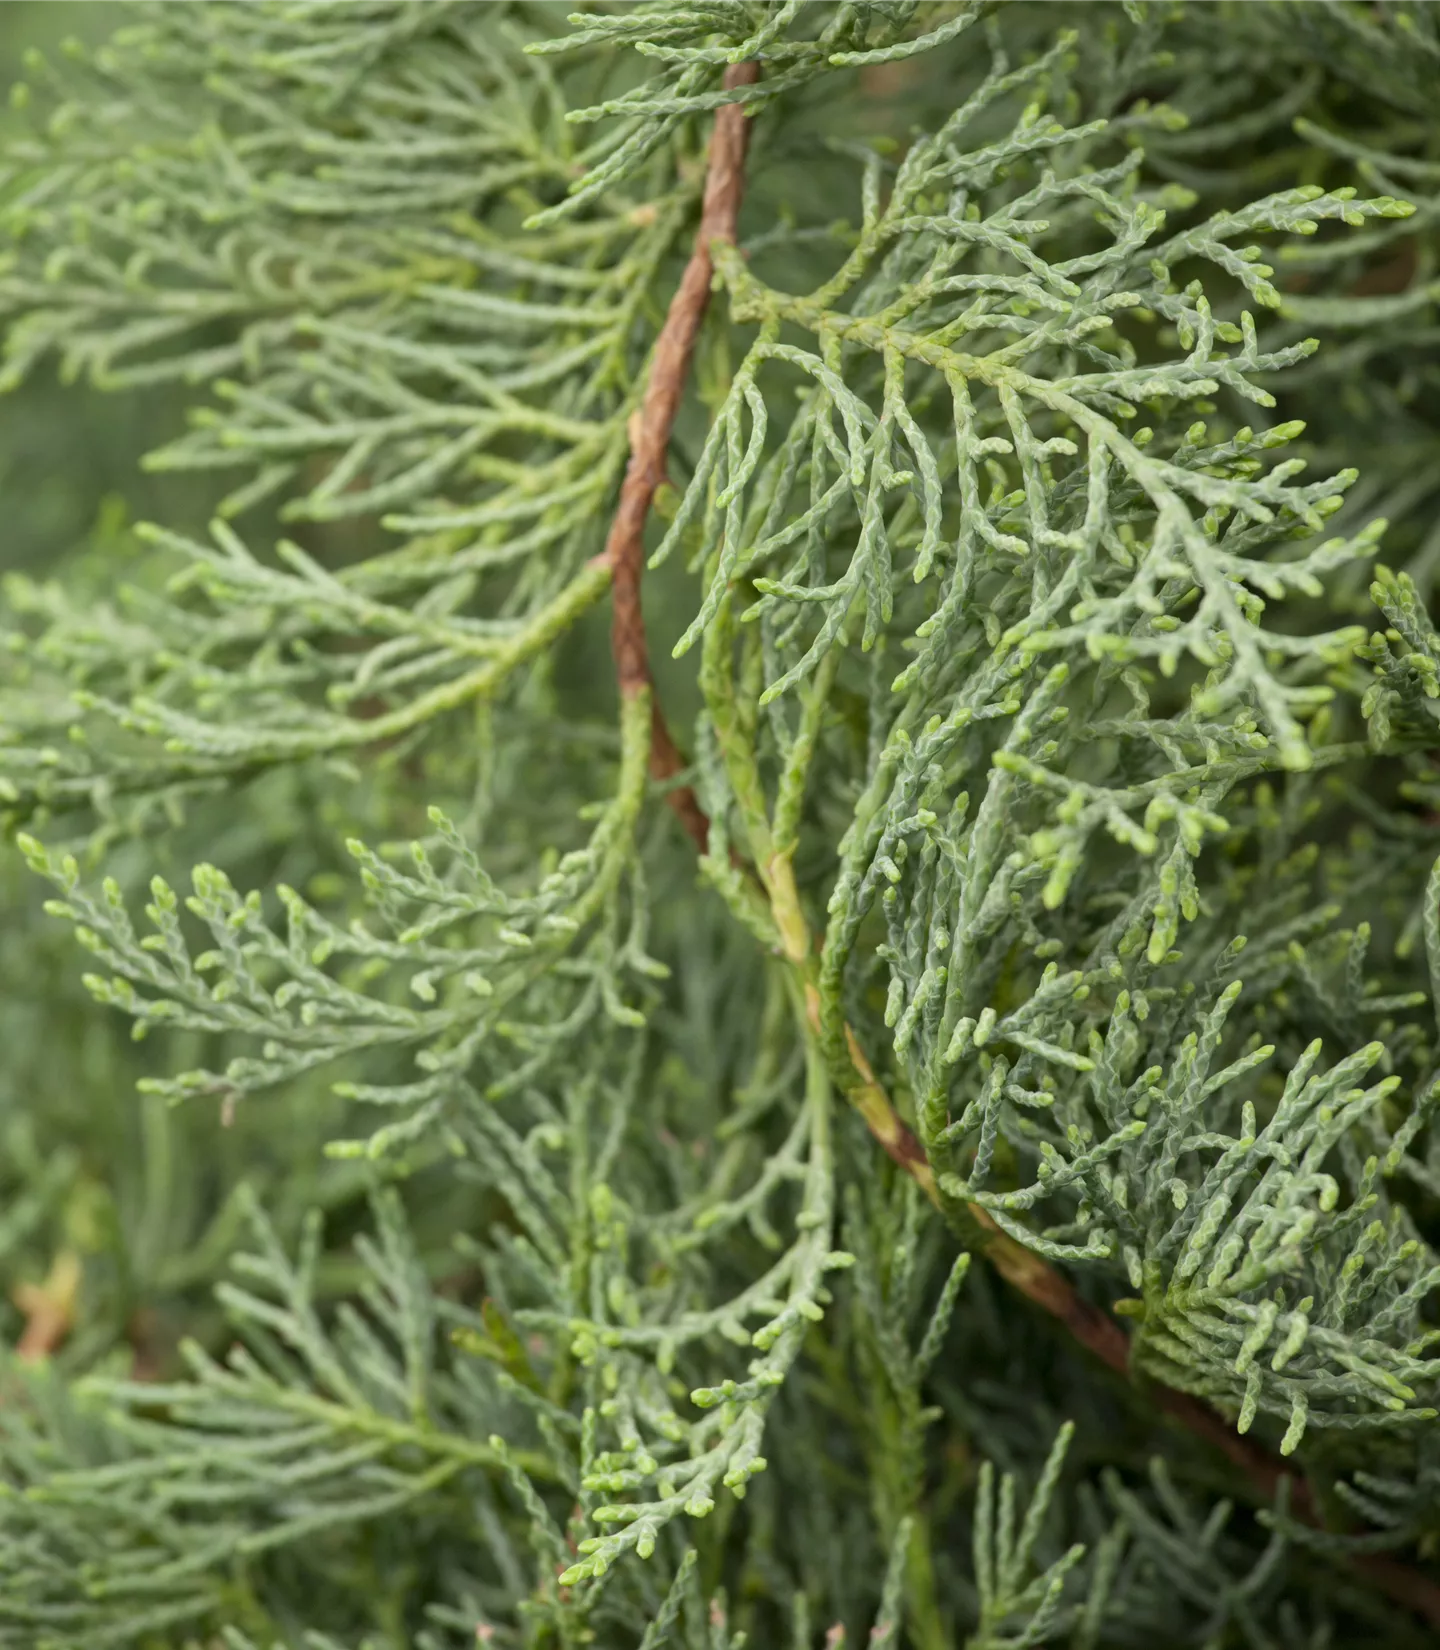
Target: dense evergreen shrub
<point>887,1089</point>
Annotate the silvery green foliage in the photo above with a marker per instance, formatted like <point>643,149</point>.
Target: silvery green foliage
<point>1027,622</point>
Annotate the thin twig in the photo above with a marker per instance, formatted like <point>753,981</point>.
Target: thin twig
<point>49,1308</point>
<point>1033,1276</point>
<point>650,439</point>
<point>1102,1336</point>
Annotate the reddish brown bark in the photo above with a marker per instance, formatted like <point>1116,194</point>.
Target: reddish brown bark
<point>650,439</point>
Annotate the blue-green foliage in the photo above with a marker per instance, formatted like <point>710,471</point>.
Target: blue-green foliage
<point>523,1270</point>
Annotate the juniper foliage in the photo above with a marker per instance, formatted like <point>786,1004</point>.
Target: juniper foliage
<point>506,1247</point>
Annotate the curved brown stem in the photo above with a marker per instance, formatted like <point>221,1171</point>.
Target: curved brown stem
<point>650,439</point>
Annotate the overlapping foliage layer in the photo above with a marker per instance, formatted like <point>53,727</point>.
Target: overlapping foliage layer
<point>502,1248</point>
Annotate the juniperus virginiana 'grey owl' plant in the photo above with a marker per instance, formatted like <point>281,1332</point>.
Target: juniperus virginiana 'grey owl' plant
<point>808,1006</point>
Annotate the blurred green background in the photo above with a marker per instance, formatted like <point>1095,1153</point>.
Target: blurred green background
<point>66,457</point>
<point>90,1172</point>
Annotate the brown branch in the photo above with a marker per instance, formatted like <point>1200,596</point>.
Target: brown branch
<point>49,1308</point>
<point>1102,1336</point>
<point>1033,1276</point>
<point>650,439</point>
<point>1041,1283</point>
<point>1099,1333</point>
